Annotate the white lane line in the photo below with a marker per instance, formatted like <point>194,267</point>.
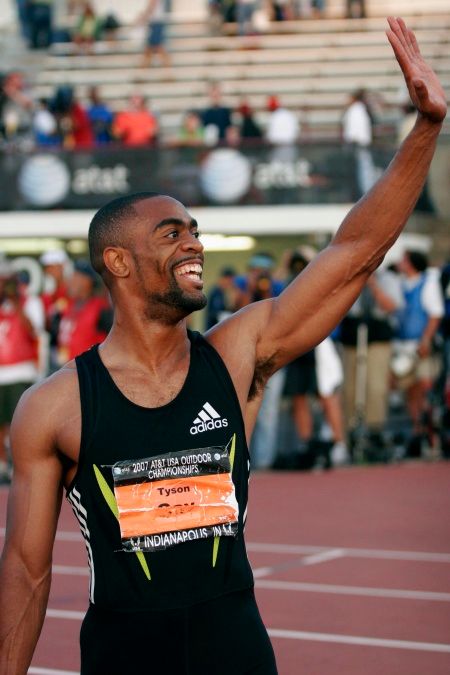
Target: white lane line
<point>314,559</point>
<point>273,584</point>
<point>50,671</point>
<point>294,549</point>
<point>356,640</point>
<point>71,570</point>
<point>65,614</point>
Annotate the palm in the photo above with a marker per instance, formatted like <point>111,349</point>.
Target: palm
<point>423,84</point>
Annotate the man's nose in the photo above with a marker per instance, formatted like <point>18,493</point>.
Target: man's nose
<point>192,243</point>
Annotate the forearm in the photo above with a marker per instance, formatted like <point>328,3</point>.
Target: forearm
<point>376,221</point>
<point>23,604</point>
<point>430,330</point>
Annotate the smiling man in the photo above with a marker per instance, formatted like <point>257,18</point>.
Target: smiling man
<point>148,432</point>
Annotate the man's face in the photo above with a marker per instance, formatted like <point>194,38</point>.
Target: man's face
<point>168,260</point>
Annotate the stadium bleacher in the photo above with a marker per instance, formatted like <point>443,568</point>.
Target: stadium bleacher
<point>311,65</point>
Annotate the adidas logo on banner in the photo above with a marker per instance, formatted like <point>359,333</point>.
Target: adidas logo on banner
<point>207,420</point>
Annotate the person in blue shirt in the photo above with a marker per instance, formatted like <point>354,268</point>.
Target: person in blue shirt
<point>101,117</point>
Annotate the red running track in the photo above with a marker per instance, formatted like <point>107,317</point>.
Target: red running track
<point>352,570</point>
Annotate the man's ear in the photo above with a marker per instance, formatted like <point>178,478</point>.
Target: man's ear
<point>116,260</point>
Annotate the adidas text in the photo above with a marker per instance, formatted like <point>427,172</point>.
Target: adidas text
<point>208,426</point>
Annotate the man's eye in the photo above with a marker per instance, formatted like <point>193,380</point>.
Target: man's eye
<point>196,234</point>
<point>173,234</point>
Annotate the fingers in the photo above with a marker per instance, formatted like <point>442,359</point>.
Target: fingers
<point>406,34</point>
<point>399,50</point>
<point>398,27</point>
<point>414,43</point>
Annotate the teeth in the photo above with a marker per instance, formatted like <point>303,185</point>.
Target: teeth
<point>191,268</point>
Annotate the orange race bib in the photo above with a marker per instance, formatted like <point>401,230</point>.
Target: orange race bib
<point>175,497</point>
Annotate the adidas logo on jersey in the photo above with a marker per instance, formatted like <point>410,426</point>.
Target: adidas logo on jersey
<point>207,420</point>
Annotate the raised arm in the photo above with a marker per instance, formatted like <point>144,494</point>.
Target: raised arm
<point>278,330</point>
<point>33,509</point>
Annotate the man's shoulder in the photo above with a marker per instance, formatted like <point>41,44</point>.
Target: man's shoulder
<point>54,395</point>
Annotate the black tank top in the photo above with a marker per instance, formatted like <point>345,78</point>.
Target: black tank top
<point>191,451</point>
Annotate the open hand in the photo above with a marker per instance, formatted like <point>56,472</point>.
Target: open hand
<point>423,84</point>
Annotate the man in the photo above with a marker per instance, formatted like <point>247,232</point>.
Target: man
<point>216,117</point>
<point>170,412</point>
<point>283,127</point>
<point>156,14</point>
<point>221,297</point>
<point>81,324</point>
<point>137,125</point>
<point>366,334</point>
<point>21,323</point>
<point>418,322</point>
<point>259,284</point>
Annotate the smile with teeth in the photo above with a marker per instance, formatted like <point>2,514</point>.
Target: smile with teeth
<point>190,270</point>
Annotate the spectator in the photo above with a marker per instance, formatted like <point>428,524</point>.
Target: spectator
<point>100,116</point>
<point>191,132</point>
<point>82,323</point>
<point>283,127</point>
<point>356,9</point>
<point>244,16</point>
<point>88,28</point>
<point>357,131</point>
<point>414,365</point>
<point>137,125</point>
<point>21,322</point>
<point>249,129</point>
<point>73,120</point>
<point>40,23</point>
<point>23,19</point>
<point>259,284</point>
<point>156,14</point>
<point>318,8</point>
<point>221,298</point>
<point>317,373</point>
<point>366,334</point>
<point>445,326</point>
<point>215,16</point>
<point>55,297</point>
<point>216,115</point>
<point>16,107</point>
<point>45,126</point>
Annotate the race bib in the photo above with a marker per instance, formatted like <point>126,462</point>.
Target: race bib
<point>174,498</point>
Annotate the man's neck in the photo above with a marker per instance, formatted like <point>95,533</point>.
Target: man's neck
<point>146,344</point>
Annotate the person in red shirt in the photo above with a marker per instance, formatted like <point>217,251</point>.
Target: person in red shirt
<point>137,125</point>
<point>85,321</point>
<point>21,320</point>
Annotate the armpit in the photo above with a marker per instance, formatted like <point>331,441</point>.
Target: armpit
<point>264,368</point>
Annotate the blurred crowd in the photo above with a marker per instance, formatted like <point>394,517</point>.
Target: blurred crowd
<point>65,121</point>
<point>39,30</point>
<point>377,389</point>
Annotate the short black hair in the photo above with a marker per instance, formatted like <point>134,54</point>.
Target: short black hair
<point>110,227</point>
<point>418,260</point>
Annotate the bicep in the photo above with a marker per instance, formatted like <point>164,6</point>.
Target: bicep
<point>314,303</point>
